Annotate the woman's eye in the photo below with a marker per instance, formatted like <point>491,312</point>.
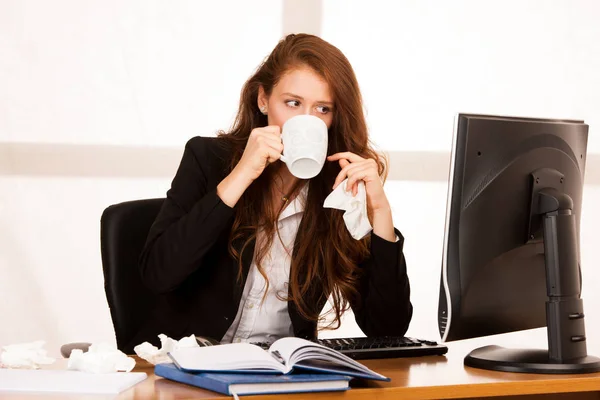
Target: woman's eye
<point>292,103</point>
<point>323,109</point>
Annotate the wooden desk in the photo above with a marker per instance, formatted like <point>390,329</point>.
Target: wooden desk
<point>413,378</point>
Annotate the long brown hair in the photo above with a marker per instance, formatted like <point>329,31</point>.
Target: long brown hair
<point>325,257</point>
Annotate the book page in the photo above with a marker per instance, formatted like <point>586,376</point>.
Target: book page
<point>226,357</point>
<point>286,347</point>
<point>296,350</point>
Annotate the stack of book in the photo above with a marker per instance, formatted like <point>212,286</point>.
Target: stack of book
<point>290,365</point>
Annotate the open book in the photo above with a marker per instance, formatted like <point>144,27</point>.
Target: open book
<point>283,356</point>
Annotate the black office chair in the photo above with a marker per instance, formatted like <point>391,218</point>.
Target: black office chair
<point>123,231</point>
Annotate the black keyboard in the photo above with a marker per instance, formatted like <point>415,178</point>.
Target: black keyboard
<point>381,347</point>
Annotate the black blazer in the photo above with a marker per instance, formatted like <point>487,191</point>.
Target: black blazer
<point>186,261</point>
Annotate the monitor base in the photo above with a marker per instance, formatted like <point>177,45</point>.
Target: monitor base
<point>529,361</point>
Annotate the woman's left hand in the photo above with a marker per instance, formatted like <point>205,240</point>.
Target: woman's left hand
<point>356,168</point>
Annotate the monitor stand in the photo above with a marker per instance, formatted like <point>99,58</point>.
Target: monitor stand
<point>567,352</point>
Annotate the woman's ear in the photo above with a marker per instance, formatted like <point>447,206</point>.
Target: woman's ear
<point>262,100</point>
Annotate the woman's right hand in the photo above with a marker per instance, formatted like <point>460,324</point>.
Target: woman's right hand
<point>263,148</point>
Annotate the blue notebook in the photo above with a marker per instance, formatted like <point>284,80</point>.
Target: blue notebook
<point>246,383</point>
<point>284,356</point>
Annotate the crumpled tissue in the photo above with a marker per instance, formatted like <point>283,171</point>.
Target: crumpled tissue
<point>100,358</point>
<point>24,355</point>
<point>355,217</point>
<point>153,355</point>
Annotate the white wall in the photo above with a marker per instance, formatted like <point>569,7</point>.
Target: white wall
<point>91,92</point>
<point>138,73</point>
<point>419,62</point>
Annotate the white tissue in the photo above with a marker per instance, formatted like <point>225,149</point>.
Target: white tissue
<point>155,356</point>
<point>24,355</point>
<point>100,358</point>
<point>355,217</point>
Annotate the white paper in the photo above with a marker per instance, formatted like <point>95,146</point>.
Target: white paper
<point>153,355</point>
<point>61,381</point>
<point>100,359</point>
<point>355,217</point>
<point>24,355</point>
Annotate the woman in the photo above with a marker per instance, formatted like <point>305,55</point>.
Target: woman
<point>244,251</point>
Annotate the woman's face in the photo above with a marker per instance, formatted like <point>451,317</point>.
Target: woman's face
<point>299,91</point>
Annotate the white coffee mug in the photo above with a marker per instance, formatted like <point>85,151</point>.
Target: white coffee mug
<point>304,145</point>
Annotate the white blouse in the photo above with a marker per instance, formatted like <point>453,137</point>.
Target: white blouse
<point>269,320</point>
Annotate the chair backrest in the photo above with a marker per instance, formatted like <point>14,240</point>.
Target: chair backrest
<point>123,231</point>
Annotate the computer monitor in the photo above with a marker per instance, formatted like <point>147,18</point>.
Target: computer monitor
<point>511,245</point>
